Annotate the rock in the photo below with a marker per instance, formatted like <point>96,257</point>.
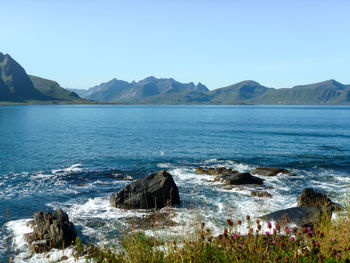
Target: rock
<point>270,171</point>
<point>215,171</point>
<point>301,216</point>
<point>261,194</point>
<point>243,178</point>
<point>155,190</point>
<point>200,170</point>
<point>310,197</point>
<point>50,231</point>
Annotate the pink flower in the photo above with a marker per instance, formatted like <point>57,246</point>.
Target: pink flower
<point>292,239</point>
<point>274,242</point>
<point>287,230</point>
<point>235,236</point>
<point>267,233</point>
<point>269,225</point>
<point>317,243</point>
<point>274,230</point>
<point>309,232</point>
<point>338,256</point>
<point>333,239</point>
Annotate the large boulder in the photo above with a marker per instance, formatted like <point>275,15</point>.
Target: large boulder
<point>310,197</point>
<point>155,190</point>
<point>50,230</point>
<point>243,178</point>
<point>301,216</point>
<point>270,171</point>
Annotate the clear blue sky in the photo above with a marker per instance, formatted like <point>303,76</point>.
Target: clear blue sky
<point>83,43</point>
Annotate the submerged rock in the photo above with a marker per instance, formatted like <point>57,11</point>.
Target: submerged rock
<point>243,178</point>
<point>155,190</point>
<point>301,216</point>
<point>261,194</point>
<point>270,171</point>
<point>50,231</point>
<point>310,197</point>
<point>215,171</point>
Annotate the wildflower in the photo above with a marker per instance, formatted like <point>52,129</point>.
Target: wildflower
<point>248,217</point>
<point>292,239</point>
<point>338,256</point>
<point>333,239</point>
<point>267,233</point>
<point>257,221</point>
<point>259,226</point>
<point>269,225</point>
<point>309,233</point>
<point>294,230</point>
<point>239,222</point>
<point>274,230</point>
<point>229,222</point>
<point>235,236</point>
<point>278,227</point>
<point>287,230</point>
<point>317,244</point>
<point>281,244</point>
<point>274,242</point>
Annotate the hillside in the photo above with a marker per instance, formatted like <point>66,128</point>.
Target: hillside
<point>52,89</point>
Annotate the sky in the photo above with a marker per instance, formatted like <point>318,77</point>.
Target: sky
<point>83,43</point>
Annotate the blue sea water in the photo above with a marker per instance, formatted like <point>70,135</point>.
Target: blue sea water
<point>75,156</point>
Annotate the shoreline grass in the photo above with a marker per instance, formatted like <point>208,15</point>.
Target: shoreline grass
<point>327,241</point>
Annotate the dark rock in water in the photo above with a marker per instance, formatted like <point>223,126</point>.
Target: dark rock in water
<point>310,197</point>
<point>155,190</point>
<point>243,178</point>
<point>261,194</point>
<point>215,171</point>
<point>270,171</point>
<point>50,231</point>
<point>301,216</point>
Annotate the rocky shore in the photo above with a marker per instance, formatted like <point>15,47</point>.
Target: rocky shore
<point>159,190</point>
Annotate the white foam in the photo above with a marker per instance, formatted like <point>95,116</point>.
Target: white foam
<point>72,168</point>
<point>164,165</point>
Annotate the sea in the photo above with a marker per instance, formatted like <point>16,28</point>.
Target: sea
<point>75,156</point>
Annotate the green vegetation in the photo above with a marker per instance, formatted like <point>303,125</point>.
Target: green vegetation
<point>328,241</point>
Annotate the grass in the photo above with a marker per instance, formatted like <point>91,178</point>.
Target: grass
<point>328,241</point>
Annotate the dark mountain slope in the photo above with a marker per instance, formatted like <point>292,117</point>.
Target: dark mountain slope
<point>18,83</point>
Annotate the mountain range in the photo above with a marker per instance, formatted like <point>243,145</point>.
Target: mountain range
<point>16,86</point>
<point>169,91</point>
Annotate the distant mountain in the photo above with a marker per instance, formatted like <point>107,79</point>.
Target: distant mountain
<point>144,91</point>
<point>168,91</point>
<point>17,86</point>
